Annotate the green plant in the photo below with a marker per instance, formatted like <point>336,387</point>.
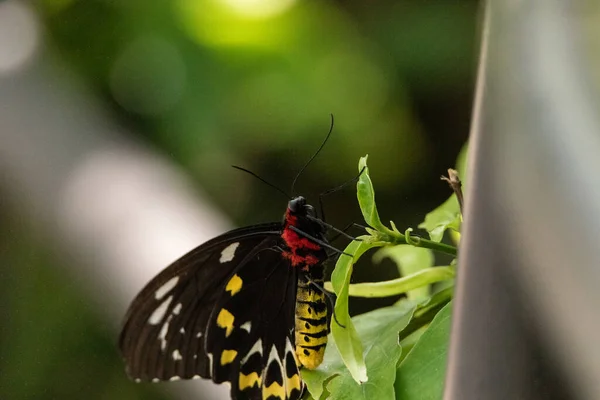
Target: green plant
<point>396,352</point>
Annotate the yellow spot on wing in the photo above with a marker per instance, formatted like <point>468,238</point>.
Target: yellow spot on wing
<point>234,285</point>
<point>225,320</point>
<point>228,356</point>
<point>249,380</point>
<point>274,390</point>
<point>293,383</point>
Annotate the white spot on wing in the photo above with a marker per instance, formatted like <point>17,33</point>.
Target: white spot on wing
<point>182,330</point>
<point>176,355</point>
<point>137,380</point>
<point>228,252</point>
<point>155,380</point>
<point>177,309</point>
<point>160,312</point>
<point>199,334</point>
<point>166,288</point>
<point>210,361</point>
<point>174,378</point>
<point>246,326</point>
<point>288,346</point>
<point>289,349</point>
<point>273,356</point>
<point>196,377</point>
<point>162,335</point>
<point>256,348</point>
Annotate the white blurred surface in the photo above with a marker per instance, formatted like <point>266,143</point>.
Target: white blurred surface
<point>19,35</point>
<point>117,212</point>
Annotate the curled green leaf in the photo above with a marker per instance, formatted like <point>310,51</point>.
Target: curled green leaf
<point>344,333</point>
<point>409,260</point>
<point>398,286</point>
<point>366,198</point>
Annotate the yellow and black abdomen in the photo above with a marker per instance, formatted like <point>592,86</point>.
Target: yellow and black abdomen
<point>311,322</point>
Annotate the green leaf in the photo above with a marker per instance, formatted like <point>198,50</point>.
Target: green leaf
<point>379,331</point>
<point>444,217</point>
<point>461,163</point>
<point>409,341</point>
<point>409,260</point>
<point>345,336</point>
<point>366,198</point>
<point>398,286</point>
<point>421,374</point>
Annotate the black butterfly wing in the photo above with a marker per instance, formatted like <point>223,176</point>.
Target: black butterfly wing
<point>169,317</point>
<point>250,336</point>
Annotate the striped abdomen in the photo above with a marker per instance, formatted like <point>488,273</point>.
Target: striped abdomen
<point>311,322</point>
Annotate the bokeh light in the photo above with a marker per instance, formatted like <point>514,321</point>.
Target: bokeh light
<point>259,9</point>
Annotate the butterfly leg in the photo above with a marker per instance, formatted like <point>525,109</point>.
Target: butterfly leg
<point>343,232</point>
<point>330,301</point>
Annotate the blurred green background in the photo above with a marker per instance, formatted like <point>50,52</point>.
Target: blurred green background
<point>210,83</point>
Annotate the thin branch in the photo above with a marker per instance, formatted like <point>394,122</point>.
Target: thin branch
<point>456,186</point>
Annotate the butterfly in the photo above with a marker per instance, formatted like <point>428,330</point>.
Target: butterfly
<point>246,307</point>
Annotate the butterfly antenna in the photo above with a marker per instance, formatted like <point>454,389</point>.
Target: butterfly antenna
<point>263,181</point>
<point>314,155</point>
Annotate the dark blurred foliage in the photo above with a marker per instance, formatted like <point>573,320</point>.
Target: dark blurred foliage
<point>52,345</point>
<point>210,88</point>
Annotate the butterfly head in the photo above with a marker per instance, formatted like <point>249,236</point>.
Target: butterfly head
<point>298,206</point>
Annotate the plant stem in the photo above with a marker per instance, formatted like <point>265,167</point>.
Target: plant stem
<point>417,241</point>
